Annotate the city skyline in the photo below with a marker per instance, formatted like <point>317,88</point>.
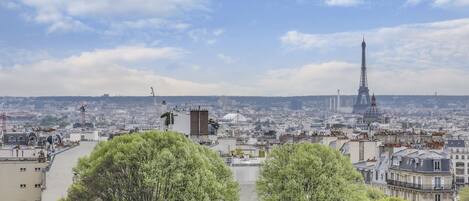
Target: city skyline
<point>262,48</point>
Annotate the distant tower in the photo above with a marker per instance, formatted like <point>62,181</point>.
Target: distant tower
<point>362,101</point>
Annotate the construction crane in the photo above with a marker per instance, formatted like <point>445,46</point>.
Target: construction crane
<point>154,95</point>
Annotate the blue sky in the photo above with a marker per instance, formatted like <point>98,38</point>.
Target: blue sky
<point>245,47</point>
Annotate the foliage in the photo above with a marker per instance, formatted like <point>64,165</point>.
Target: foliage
<point>392,199</point>
<point>306,171</point>
<point>374,194</point>
<point>464,194</point>
<point>156,166</point>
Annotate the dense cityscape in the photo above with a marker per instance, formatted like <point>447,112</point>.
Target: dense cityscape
<point>413,147</point>
<point>200,100</point>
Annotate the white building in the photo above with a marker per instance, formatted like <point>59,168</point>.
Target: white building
<point>84,136</point>
<point>459,155</point>
<point>22,174</point>
<point>361,150</point>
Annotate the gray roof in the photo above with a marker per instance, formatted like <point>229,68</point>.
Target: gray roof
<point>456,143</point>
<point>421,161</point>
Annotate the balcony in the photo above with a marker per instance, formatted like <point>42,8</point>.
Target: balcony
<point>421,187</point>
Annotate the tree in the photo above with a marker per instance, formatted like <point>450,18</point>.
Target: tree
<point>391,199</point>
<point>464,194</point>
<point>306,171</point>
<point>374,194</point>
<point>152,166</point>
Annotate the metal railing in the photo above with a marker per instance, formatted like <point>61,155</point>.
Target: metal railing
<point>419,186</point>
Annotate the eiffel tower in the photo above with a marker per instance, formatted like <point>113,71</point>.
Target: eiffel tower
<point>362,102</point>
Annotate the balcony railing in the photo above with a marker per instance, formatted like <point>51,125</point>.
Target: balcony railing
<point>420,186</point>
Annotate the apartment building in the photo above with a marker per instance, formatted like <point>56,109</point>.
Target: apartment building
<point>459,155</point>
<point>421,175</point>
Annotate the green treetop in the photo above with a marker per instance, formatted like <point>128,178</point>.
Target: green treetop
<point>464,194</point>
<point>153,166</point>
<point>307,172</point>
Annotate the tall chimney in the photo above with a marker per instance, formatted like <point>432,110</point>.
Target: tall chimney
<point>338,100</point>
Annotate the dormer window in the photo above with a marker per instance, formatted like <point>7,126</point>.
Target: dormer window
<point>437,165</point>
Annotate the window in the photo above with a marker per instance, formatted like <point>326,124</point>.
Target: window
<point>457,156</point>
<point>437,183</point>
<point>37,185</point>
<point>462,156</point>
<point>437,197</point>
<point>22,185</point>
<point>459,168</point>
<point>437,165</point>
<point>37,169</point>
<point>22,169</point>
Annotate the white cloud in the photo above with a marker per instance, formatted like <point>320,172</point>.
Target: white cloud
<point>439,3</point>
<point>207,36</point>
<point>109,71</point>
<point>69,15</point>
<point>98,72</point>
<point>438,44</point>
<point>225,58</point>
<point>218,32</point>
<point>342,2</point>
<point>9,5</point>
<point>406,59</point>
<point>326,78</point>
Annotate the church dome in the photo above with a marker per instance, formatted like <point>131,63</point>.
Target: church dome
<point>372,114</point>
<point>234,117</point>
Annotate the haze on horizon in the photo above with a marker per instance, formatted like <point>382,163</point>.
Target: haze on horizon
<point>253,48</point>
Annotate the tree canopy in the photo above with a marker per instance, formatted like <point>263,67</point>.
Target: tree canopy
<point>391,199</point>
<point>374,194</point>
<point>152,166</point>
<point>308,171</point>
<point>464,194</point>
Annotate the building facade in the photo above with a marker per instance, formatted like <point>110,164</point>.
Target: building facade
<point>421,175</point>
<point>459,155</point>
<point>22,173</point>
